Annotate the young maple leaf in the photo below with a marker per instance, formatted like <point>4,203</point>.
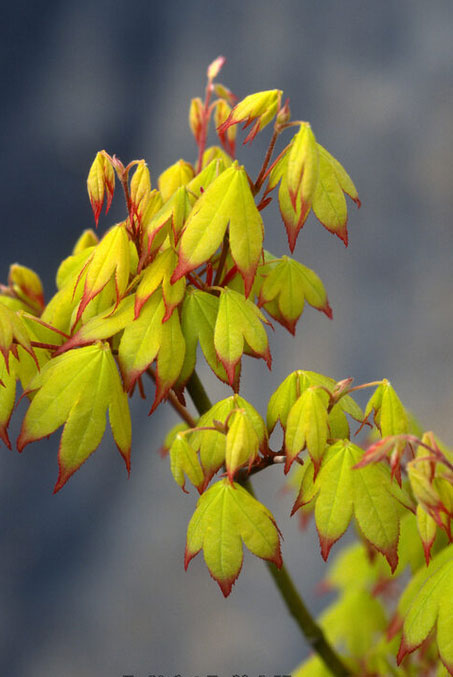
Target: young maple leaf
<point>287,285</point>
<point>76,389</point>
<point>259,108</point>
<point>227,202</point>
<point>342,490</point>
<point>239,320</point>
<point>427,604</point>
<point>226,515</point>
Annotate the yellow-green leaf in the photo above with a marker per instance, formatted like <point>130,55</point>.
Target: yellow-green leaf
<point>227,200</point>
<point>110,259</point>
<point>239,320</point>
<point>141,340</point>
<point>226,515</point>
<point>427,603</point>
<point>241,442</point>
<point>76,389</point>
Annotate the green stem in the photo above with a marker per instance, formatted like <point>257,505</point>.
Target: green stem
<point>294,603</point>
<point>198,394</point>
<point>296,607</point>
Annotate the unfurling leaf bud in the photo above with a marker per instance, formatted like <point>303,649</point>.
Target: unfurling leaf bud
<point>101,181</point>
<point>27,286</point>
<point>261,107</point>
<point>196,118</point>
<point>140,189</point>
<point>175,176</point>
<point>283,115</point>
<point>215,67</point>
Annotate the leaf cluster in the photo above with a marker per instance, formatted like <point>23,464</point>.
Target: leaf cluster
<point>185,276</point>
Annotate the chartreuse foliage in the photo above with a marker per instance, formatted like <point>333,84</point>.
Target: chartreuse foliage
<point>185,269</point>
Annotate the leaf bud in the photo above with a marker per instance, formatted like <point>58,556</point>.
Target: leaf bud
<point>196,118</point>
<point>215,67</point>
<point>27,286</point>
<point>100,181</point>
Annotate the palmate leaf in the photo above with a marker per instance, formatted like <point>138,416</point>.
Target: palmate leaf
<point>341,490</point>
<point>290,284</point>
<point>259,108</point>
<point>283,399</point>
<point>76,389</point>
<point>227,200</point>
<point>426,603</point>
<point>239,320</point>
<point>226,516</point>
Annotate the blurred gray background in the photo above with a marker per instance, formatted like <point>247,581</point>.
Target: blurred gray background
<point>91,580</point>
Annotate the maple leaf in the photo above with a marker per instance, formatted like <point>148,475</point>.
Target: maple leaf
<point>329,204</point>
<point>76,389</point>
<point>227,515</point>
<point>239,320</point>
<point>293,386</point>
<point>427,603</point>
<point>289,284</point>
<point>228,200</point>
<point>342,490</point>
<point>259,108</point>
<point>212,443</point>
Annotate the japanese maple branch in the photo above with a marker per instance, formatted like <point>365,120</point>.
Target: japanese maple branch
<point>294,603</point>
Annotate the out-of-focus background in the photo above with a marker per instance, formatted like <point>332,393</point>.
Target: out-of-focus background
<point>91,579</point>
